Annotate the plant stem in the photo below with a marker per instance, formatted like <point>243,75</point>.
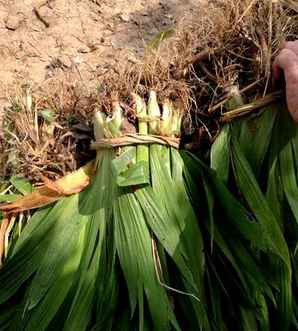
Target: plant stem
<point>142,150</point>
<point>236,98</point>
<point>153,111</point>
<point>114,123</point>
<point>167,118</point>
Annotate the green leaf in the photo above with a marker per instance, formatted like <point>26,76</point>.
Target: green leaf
<point>174,222</point>
<point>258,204</point>
<point>128,172</point>
<point>220,154</point>
<point>41,316</point>
<point>23,263</point>
<point>98,287</point>
<point>249,321</point>
<point>21,184</point>
<point>285,302</point>
<point>9,197</point>
<point>125,160</point>
<point>64,238</point>
<point>6,315</point>
<point>263,313</point>
<point>160,37</point>
<point>210,204</point>
<point>235,213</point>
<point>80,312</point>
<point>275,193</point>
<point>295,150</point>
<point>215,303</point>
<point>288,176</point>
<point>108,286</point>
<point>134,247</point>
<point>47,114</point>
<point>255,136</point>
<point>33,243</point>
<point>134,175</point>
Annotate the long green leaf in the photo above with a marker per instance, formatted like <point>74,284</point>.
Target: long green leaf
<point>220,154</point>
<point>134,246</point>
<point>41,316</point>
<point>258,205</point>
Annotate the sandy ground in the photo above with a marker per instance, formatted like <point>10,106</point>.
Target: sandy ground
<point>41,40</point>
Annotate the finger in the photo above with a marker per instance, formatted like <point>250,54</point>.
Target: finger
<point>286,60</point>
<point>277,70</point>
<point>292,100</point>
<point>292,45</point>
<point>291,77</point>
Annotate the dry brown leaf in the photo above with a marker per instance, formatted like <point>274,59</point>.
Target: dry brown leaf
<point>52,191</point>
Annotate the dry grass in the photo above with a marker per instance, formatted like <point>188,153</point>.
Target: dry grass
<point>238,41</point>
<point>46,135</point>
<point>231,44</point>
<point>154,72</point>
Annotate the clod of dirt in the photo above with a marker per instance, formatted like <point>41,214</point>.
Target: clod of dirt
<point>125,17</point>
<point>84,49</point>
<point>12,22</point>
<point>66,61</point>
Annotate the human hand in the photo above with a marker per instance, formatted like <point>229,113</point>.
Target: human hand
<point>287,62</point>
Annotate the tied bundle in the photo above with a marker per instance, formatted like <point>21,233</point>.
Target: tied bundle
<point>149,237</point>
<point>126,253</point>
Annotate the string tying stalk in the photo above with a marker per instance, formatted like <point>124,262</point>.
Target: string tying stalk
<point>135,139</point>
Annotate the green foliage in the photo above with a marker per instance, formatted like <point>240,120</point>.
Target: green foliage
<point>21,184</point>
<point>160,38</point>
<point>201,247</point>
<point>47,114</point>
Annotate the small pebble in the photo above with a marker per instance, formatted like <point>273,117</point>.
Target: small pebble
<point>12,22</point>
<point>66,61</point>
<point>125,17</point>
<point>84,49</point>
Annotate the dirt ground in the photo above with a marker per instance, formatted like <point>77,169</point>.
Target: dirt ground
<point>41,40</point>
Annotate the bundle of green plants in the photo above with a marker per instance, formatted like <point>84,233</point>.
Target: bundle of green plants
<point>251,223</point>
<point>187,218</point>
<point>127,252</point>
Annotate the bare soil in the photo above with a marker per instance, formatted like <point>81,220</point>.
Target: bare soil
<point>56,39</point>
